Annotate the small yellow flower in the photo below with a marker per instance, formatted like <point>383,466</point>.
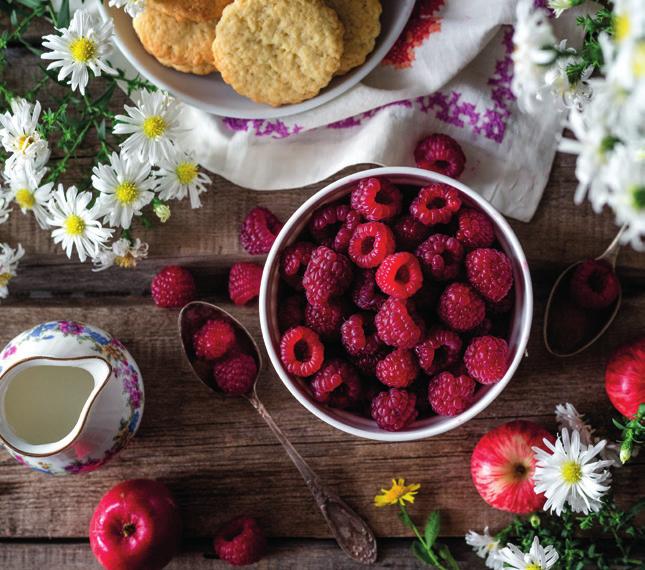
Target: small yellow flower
<point>398,494</point>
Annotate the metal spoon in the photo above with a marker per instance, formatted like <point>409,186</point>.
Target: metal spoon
<point>610,255</point>
<point>351,532</point>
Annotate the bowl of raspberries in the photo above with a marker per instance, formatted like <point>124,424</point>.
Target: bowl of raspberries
<point>396,304</point>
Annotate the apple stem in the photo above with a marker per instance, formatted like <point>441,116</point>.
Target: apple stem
<point>129,529</point>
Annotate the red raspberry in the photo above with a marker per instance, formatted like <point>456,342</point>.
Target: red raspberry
<point>293,263</point>
<point>376,199</point>
<point>460,307</point>
<point>259,230</point>
<point>393,410</point>
<point>244,282</point>
<point>358,335</point>
<point>291,312</point>
<point>439,351</point>
<point>337,385</point>
<point>327,221</point>
<point>366,363</point>
<point>326,319</point>
<point>450,395</point>
<point>475,229</point>
<point>235,373</point>
<point>435,204</point>
<point>409,233</point>
<point>502,307</point>
<point>594,284</point>
<point>328,274</point>
<point>398,369</point>
<point>346,231</point>
<point>483,328</point>
<point>240,542</point>
<point>301,351</point>
<point>213,339</point>
<point>490,272</point>
<point>365,293</point>
<point>440,153</point>
<point>487,359</point>
<point>400,275</point>
<point>397,323</point>
<point>173,287</point>
<point>441,256</point>
<point>371,244</point>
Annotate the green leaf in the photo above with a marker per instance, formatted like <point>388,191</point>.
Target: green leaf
<point>63,17</point>
<point>421,553</point>
<point>446,555</point>
<point>431,531</point>
<point>35,4</point>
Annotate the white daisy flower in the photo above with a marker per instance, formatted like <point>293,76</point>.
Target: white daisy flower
<point>181,177</point>
<point>485,546</point>
<point>27,190</point>
<point>84,45</point>
<point>123,253</point>
<point>556,78</point>
<point>131,7</point>
<point>565,473</point>
<point>538,558</point>
<point>5,206</point>
<point>629,20</point>
<point>9,259</point>
<point>625,179</point>
<point>153,126</point>
<point>19,134</point>
<point>77,225</point>
<point>533,54</point>
<point>126,187</point>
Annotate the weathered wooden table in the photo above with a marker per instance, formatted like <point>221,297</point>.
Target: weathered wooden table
<point>220,459</point>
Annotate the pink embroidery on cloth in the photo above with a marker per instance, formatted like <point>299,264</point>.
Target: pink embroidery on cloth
<point>262,128</point>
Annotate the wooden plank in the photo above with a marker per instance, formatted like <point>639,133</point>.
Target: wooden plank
<point>219,458</point>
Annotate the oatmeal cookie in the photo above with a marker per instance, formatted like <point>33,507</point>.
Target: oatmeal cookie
<point>193,10</point>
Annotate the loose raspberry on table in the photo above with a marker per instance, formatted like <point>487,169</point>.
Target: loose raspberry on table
<point>327,220</point>
<point>460,307</point>
<point>594,284</point>
<point>301,351</point>
<point>173,287</point>
<point>394,410</point>
<point>490,272</point>
<point>325,319</point>
<point>397,323</point>
<point>346,231</point>
<point>450,395</point>
<point>235,373</point>
<point>376,199</point>
<point>240,542</point>
<point>328,274</point>
<point>440,153</point>
<point>439,350</point>
<point>400,275</point>
<point>365,292</point>
<point>213,339</point>
<point>398,369</point>
<point>244,282</point>
<point>358,335</point>
<point>435,204</point>
<point>441,256</point>
<point>487,359</point>
<point>370,244</point>
<point>291,312</point>
<point>474,229</point>
<point>293,263</point>
<point>409,233</point>
<point>337,385</point>
<point>259,230</point>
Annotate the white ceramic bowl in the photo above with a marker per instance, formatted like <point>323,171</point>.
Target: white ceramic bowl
<point>211,94</point>
<point>351,423</point>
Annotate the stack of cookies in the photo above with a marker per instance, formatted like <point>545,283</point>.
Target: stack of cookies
<point>276,52</point>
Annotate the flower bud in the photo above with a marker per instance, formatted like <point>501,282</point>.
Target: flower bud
<point>162,211</point>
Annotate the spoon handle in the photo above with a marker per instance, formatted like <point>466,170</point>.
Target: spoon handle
<point>351,532</point>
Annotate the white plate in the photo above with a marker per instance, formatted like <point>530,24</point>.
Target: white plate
<point>211,94</point>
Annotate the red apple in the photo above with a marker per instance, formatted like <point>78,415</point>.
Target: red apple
<point>136,526</point>
<point>625,377</point>
<point>503,463</point>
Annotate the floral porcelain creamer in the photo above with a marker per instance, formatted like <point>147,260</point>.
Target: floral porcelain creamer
<point>71,397</point>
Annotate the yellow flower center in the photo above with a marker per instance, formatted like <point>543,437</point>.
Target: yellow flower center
<point>639,59</point>
<point>126,261</point>
<point>5,278</point>
<point>25,199</point>
<point>82,50</point>
<point>186,172</point>
<point>126,192</point>
<point>24,141</point>
<point>622,26</point>
<point>533,567</point>
<point>74,225</point>
<point>154,127</point>
<point>571,472</point>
